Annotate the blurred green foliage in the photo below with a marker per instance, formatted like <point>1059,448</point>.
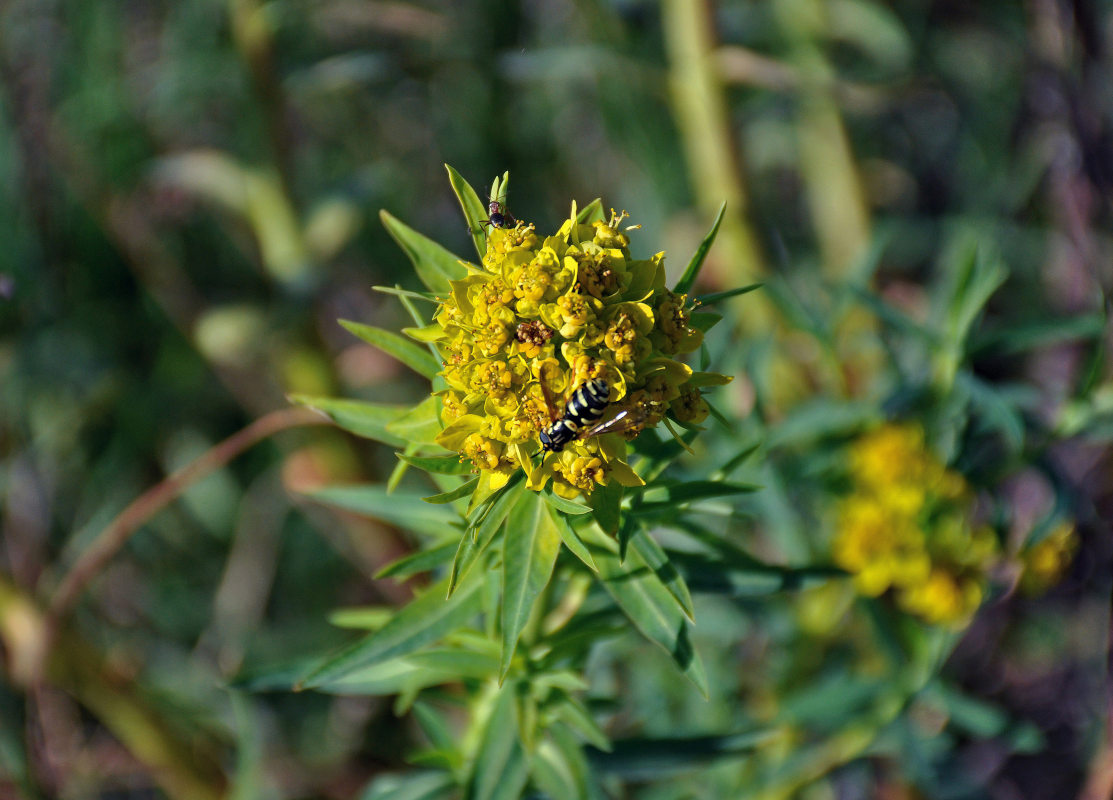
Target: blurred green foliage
<point>189,198</point>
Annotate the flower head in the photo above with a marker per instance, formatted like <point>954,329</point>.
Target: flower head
<point>543,316</point>
<point>907,527</point>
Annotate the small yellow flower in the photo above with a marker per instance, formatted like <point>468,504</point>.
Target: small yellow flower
<point>562,309</point>
<point>907,527</point>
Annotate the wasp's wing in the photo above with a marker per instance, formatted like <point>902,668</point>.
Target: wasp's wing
<point>619,423</point>
<point>554,412</point>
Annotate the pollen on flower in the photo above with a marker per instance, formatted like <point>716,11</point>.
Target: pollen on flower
<point>908,527</point>
<point>561,309</point>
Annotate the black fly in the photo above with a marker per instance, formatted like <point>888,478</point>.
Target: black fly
<point>498,216</point>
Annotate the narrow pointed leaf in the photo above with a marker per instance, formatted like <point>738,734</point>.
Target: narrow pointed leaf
<point>463,490</point>
<point>484,532</point>
<point>567,506</point>
<point>708,299</point>
<point>501,770</point>
<point>529,551</point>
<point>606,502</point>
<point>420,425</point>
<point>467,551</point>
<point>572,539</point>
<point>420,561</point>
<point>363,419</point>
<point>657,560</point>
<point>422,622</point>
<point>400,468</point>
<point>411,786</point>
<point>397,291</point>
<point>439,465</point>
<point>434,265</point>
<point>555,775</point>
<point>688,279</point>
<point>475,210</point>
<point>579,719</point>
<point>647,603</point>
<point>691,491</point>
<point>412,355</point>
<point>405,509</point>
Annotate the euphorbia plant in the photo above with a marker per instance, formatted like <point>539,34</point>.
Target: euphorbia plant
<point>521,535</point>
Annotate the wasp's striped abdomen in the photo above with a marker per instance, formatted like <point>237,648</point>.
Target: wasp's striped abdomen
<point>584,409</point>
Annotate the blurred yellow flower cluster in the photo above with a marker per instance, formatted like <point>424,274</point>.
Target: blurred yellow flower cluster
<point>1045,562</point>
<point>907,527</point>
<point>562,310</point>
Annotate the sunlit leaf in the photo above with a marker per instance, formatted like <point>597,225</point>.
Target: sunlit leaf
<point>463,490</point>
<point>419,561</point>
<point>401,508</point>
<point>421,424</point>
<point>572,539</point>
<point>433,264</point>
<point>358,417</point>
<point>708,299</point>
<point>475,210</point>
<point>657,560</point>
<point>567,506</point>
<point>500,770</point>
<point>688,279</point>
<point>410,786</point>
<point>648,604</point>
<point>421,622</point>
<point>529,551</point>
<point>413,356</point>
<point>439,465</point>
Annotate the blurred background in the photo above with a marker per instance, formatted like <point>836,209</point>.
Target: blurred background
<point>189,199</point>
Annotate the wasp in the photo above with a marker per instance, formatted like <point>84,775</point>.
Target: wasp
<point>581,416</point>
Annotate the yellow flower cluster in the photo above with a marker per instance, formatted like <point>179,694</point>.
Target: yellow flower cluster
<point>1045,562</point>
<point>561,310</point>
<point>907,527</point>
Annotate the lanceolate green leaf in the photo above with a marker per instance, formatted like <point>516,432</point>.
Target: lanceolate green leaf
<point>419,561</point>
<point>412,355</point>
<point>433,264</point>
<point>463,490</point>
<point>567,506</point>
<point>688,279</point>
<point>401,508</point>
<point>572,539</point>
<point>439,465</point>
<point>695,490</point>
<point>422,622</point>
<point>478,538</point>
<point>475,210</point>
<point>708,299</point>
<point>606,502</point>
<point>653,555</point>
<point>420,425</point>
<point>362,419</point>
<point>500,769</point>
<point>647,603</point>
<point>529,551</point>
<point>411,786</point>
